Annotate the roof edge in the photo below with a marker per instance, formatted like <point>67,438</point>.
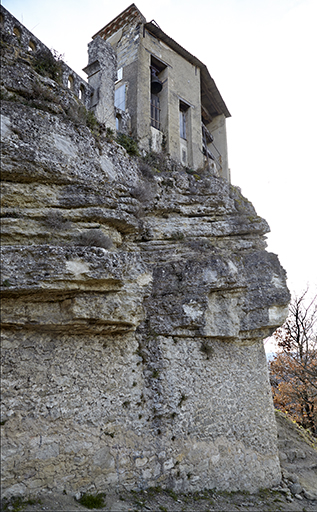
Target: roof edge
<point>207,81</point>
<point>131,7</point>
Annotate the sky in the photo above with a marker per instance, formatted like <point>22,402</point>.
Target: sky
<point>262,56</point>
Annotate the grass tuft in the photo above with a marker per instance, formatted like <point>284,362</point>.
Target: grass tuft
<point>90,501</point>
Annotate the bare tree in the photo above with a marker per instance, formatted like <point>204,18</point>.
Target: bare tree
<point>294,368</point>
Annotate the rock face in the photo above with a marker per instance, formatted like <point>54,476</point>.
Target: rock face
<point>141,363</point>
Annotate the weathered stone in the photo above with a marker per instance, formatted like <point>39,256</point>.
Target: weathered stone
<point>309,495</point>
<point>296,488</point>
<point>143,364</point>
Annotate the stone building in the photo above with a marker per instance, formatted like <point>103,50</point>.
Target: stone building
<point>171,100</point>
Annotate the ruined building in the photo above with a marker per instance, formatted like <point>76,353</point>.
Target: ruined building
<point>171,100</point>
<point>135,295</point>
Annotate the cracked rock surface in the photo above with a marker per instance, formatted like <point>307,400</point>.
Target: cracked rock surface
<point>139,362</point>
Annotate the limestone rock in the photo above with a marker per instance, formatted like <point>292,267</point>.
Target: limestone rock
<point>142,364</point>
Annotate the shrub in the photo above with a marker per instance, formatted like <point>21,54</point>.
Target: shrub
<point>142,192</point>
<point>177,235</point>
<point>146,169</point>
<point>94,238</point>
<point>90,501</point>
<point>128,143</point>
<point>17,503</point>
<point>49,63</point>
<point>109,134</point>
<point>91,121</point>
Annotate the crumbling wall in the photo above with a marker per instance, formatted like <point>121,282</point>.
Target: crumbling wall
<point>12,30</point>
<point>135,301</point>
<point>102,71</point>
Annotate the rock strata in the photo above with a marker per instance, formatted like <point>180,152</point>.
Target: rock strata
<point>141,363</point>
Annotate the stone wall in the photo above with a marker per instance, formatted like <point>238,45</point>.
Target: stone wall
<point>25,41</point>
<point>101,71</point>
<point>139,363</point>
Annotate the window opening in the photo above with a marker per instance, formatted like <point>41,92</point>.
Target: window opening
<point>119,74</point>
<point>118,122</point>
<point>155,111</point>
<point>119,97</point>
<point>183,109</point>
<point>157,69</point>
<point>31,47</point>
<point>70,82</point>
<point>81,92</point>
<point>17,32</point>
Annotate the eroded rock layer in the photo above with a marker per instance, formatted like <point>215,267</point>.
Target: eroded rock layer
<point>135,302</point>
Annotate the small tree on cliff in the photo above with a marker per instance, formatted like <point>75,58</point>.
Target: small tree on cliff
<point>294,368</point>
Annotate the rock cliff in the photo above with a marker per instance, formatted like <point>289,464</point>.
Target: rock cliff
<point>136,296</point>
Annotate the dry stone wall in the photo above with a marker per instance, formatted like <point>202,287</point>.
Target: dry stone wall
<point>139,363</point>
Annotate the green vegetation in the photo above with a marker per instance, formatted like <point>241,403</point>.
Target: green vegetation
<point>48,63</point>
<point>128,143</point>
<point>172,494</point>
<point>92,122</point>
<point>17,503</point>
<point>177,235</point>
<point>90,501</point>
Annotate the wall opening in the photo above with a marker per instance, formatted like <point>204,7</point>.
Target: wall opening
<point>81,93</point>
<point>183,120</point>
<point>17,32</point>
<point>31,47</point>
<point>118,122</point>
<point>157,75</point>
<point>70,82</point>
<point>155,112</point>
<point>119,97</point>
<point>119,74</point>
<point>184,132</point>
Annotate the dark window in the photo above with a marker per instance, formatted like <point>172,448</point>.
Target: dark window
<point>183,109</point>
<point>155,111</point>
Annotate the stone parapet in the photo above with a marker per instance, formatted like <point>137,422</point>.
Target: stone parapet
<point>18,33</point>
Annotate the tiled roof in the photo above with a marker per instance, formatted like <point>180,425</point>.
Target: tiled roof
<point>130,14</point>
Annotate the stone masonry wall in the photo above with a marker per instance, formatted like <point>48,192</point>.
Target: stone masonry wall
<point>26,41</point>
<point>134,304</point>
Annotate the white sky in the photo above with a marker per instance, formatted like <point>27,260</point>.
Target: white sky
<point>262,56</point>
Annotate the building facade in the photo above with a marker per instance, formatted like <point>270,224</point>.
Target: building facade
<point>163,96</point>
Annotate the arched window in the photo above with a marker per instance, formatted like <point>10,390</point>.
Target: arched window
<point>118,122</point>
<point>82,92</point>
<point>31,47</point>
<point>70,82</point>
<point>17,32</point>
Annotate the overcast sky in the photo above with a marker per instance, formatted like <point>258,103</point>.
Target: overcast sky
<point>262,56</point>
